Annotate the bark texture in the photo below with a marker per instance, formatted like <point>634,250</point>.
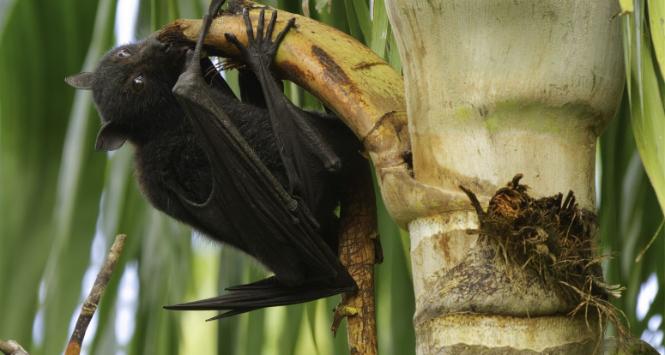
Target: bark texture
<point>496,88</point>
<point>358,253</point>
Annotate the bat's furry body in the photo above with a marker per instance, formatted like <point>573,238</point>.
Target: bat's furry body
<point>191,165</point>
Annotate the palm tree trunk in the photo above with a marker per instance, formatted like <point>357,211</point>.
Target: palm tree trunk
<point>495,88</point>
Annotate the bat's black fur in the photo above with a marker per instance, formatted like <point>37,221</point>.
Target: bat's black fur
<point>132,88</point>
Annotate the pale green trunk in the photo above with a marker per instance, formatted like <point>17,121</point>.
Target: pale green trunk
<point>495,88</point>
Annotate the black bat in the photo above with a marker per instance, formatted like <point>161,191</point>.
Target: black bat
<point>263,177</point>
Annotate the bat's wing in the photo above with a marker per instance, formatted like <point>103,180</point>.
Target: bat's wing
<point>253,212</point>
<point>265,293</point>
<point>249,208</point>
<point>245,195</point>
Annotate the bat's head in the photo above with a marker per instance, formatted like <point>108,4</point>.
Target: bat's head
<point>131,88</point>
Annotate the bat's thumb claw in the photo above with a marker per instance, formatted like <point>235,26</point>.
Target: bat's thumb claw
<point>189,55</point>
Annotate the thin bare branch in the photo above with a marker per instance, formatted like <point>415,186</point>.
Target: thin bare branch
<point>11,347</point>
<point>90,305</point>
<point>653,239</point>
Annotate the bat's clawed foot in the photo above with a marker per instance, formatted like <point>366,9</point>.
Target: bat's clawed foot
<point>342,311</point>
<point>261,48</point>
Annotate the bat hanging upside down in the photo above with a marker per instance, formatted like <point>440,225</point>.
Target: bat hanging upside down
<point>259,174</point>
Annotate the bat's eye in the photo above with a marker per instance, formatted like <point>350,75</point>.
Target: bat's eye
<point>123,53</point>
<point>138,81</point>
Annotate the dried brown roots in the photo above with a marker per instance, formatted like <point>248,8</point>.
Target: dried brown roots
<point>555,238</point>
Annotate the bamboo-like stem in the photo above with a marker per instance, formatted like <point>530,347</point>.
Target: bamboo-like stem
<point>90,305</point>
<point>357,250</point>
<point>495,88</point>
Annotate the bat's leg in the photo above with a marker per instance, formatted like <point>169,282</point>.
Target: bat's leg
<point>291,127</point>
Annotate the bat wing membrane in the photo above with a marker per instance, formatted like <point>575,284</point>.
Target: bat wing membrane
<point>270,222</point>
<point>245,195</point>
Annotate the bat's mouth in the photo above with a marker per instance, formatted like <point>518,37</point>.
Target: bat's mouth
<point>172,51</point>
<point>173,56</point>
<point>175,49</point>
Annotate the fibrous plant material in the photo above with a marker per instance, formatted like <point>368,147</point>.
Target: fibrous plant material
<point>554,238</point>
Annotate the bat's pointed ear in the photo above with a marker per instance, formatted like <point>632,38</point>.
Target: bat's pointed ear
<point>109,137</point>
<point>81,80</point>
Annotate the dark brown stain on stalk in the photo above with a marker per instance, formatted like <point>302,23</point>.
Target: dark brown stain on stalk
<point>334,71</point>
<point>367,65</point>
<point>443,242</point>
<point>290,70</point>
